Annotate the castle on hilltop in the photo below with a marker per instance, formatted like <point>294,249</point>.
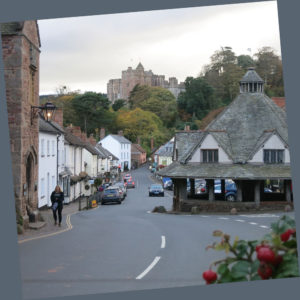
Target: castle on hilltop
<point>121,88</point>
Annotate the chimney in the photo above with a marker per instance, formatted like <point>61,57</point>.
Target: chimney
<point>187,128</point>
<point>152,143</point>
<point>102,133</point>
<point>138,140</point>
<point>92,140</point>
<point>120,132</point>
<point>58,117</point>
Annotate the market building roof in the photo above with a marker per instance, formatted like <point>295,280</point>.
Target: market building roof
<point>47,127</point>
<point>230,171</point>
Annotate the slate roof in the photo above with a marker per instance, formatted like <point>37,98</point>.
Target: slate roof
<point>240,130</point>
<point>104,153</point>
<point>46,127</point>
<point>164,150</point>
<point>120,138</point>
<point>72,139</point>
<point>251,76</point>
<point>246,119</point>
<point>57,126</point>
<point>230,171</point>
<point>90,148</point>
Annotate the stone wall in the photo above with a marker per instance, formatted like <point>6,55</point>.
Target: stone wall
<point>21,71</point>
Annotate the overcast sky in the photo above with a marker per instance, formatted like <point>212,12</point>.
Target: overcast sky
<point>83,53</point>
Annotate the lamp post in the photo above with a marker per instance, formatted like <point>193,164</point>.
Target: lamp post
<point>46,111</point>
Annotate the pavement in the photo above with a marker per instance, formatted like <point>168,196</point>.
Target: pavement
<point>48,227</point>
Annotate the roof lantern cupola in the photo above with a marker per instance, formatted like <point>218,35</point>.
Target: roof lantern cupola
<point>251,82</point>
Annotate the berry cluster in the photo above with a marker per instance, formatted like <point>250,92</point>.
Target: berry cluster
<point>287,234</point>
<point>268,261</point>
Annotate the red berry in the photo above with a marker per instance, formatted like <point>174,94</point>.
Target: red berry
<point>265,254</point>
<point>285,236</point>
<point>209,276</point>
<point>261,246</point>
<point>264,271</point>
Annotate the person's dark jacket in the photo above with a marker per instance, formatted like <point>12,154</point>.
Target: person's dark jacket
<point>59,199</point>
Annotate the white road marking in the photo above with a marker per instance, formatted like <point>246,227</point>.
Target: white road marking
<point>261,216</point>
<point>204,216</point>
<point>263,226</point>
<point>252,223</point>
<point>163,241</point>
<point>151,266</point>
<point>223,218</point>
<point>238,220</point>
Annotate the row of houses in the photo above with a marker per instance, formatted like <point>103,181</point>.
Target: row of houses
<point>71,160</point>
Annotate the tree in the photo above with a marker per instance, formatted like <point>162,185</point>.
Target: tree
<point>224,74</point>
<point>198,98</point>
<point>119,104</point>
<point>158,100</point>
<point>143,124</point>
<point>91,111</point>
<point>245,61</point>
<point>269,67</point>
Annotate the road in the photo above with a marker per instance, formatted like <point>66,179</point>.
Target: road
<point>125,247</point>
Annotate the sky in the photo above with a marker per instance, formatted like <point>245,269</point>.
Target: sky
<point>84,53</point>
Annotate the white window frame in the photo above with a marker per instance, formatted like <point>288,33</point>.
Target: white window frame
<point>42,147</point>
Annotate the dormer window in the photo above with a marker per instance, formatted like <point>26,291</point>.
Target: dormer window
<point>272,156</point>
<point>210,155</point>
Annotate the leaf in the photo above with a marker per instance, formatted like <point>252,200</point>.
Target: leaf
<point>223,268</point>
<point>254,266</point>
<point>217,233</point>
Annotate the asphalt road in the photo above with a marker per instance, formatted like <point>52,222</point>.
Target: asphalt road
<point>125,247</point>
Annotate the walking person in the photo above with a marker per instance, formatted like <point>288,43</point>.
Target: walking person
<point>57,199</point>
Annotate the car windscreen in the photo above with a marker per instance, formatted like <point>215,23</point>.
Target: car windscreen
<point>106,192</point>
<point>156,187</point>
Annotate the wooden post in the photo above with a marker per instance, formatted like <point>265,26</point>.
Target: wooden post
<point>211,190</point>
<point>239,195</point>
<point>223,188</point>
<point>192,182</point>
<point>287,190</point>
<point>257,192</point>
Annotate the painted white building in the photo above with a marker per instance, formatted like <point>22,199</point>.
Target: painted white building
<point>75,164</point>
<point>47,176</point>
<point>120,147</point>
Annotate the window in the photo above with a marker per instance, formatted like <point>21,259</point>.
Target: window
<point>273,156</point>
<point>210,156</point>
<point>53,148</point>
<point>48,148</point>
<point>42,147</point>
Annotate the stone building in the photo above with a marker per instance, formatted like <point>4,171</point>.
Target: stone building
<point>247,142</point>
<point>21,51</point>
<point>121,88</point>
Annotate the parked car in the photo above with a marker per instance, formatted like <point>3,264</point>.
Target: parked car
<point>156,190</point>
<point>127,176</point>
<point>121,191</point>
<point>123,186</point>
<point>230,191</point>
<point>111,194</point>
<point>167,183</point>
<point>267,190</point>
<point>130,184</point>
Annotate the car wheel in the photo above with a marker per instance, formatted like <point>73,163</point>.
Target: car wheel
<point>149,195</point>
<point>163,194</point>
<point>120,202</point>
<point>230,198</point>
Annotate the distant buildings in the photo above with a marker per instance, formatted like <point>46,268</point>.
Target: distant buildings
<point>121,88</point>
<point>120,147</point>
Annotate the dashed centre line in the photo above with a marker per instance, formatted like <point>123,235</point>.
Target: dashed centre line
<point>163,241</point>
<point>238,220</point>
<point>263,226</point>
<point>223,218</point>
<point>252,223</point>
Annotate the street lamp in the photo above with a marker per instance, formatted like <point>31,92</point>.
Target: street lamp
<point>46,111</point>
